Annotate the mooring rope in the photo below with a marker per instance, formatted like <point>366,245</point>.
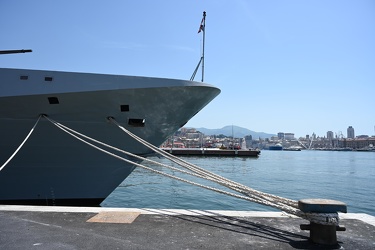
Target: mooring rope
<point>73,133</point>
<point>21,145</point>
<point>284,204</point>
<point>207,177</point>
<point>195,168</point>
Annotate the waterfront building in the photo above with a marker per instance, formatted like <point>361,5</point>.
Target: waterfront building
<point>275,138</point>
<point>249,141</point>
<point>330,135</point>
<point>289,136</point>
<point>313,136</point>
<point>249,137</point>
<point>193,135</point>
<point>350,132</point>
<point>357,143</point>
<point>281,135</point>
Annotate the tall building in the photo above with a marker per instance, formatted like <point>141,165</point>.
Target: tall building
<point>350,132</point>
<point>330,135</point>
<point>280,135</point>
<point>249,141</point>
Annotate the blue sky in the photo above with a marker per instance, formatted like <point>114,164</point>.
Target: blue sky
<point>282,66</point>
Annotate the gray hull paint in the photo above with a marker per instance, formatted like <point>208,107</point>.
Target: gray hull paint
<point>53,166</point>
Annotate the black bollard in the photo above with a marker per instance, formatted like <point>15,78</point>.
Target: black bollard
<point>319,233</point>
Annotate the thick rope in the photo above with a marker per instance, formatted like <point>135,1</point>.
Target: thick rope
<point>159,172</point>
<point>195,168</point>
<point>259,199</point>
<point>281,203</point>
<point>284,204</point>
<point>20,146</point>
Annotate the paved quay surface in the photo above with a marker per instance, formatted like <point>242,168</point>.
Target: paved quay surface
<point>38,227</point>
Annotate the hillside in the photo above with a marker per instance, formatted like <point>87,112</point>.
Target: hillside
<point>238,132</point>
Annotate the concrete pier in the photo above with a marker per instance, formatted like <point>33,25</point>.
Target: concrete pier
<point>36,227</point>
<point>212,152</point>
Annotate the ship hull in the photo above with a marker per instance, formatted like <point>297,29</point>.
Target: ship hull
<point>53,168</point>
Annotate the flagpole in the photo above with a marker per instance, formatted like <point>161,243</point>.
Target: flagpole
<point>204,33</point>
<point>202,28</point>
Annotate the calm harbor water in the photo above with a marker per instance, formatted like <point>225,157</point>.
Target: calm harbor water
<point>345,176</point>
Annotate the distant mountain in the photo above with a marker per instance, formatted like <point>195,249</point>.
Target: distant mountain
<point>238,132</point>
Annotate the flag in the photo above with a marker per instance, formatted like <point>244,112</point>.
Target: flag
<point>201,27</point>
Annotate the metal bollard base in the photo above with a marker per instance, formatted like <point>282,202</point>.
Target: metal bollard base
<point>322,234</point>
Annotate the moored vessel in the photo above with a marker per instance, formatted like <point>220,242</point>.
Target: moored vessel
<point>277,146</point>
<point>53,168</point>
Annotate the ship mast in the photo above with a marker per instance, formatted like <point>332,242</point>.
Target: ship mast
<point>202,28</point>
<point>204,34</point>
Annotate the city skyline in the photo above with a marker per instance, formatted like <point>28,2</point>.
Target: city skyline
<point>294,66</point>
<point>193,138</point>
<point>338,134</point>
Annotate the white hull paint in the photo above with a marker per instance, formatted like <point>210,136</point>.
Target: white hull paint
<point>54,168</point>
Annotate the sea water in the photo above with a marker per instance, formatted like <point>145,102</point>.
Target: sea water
<point>344,176</point>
